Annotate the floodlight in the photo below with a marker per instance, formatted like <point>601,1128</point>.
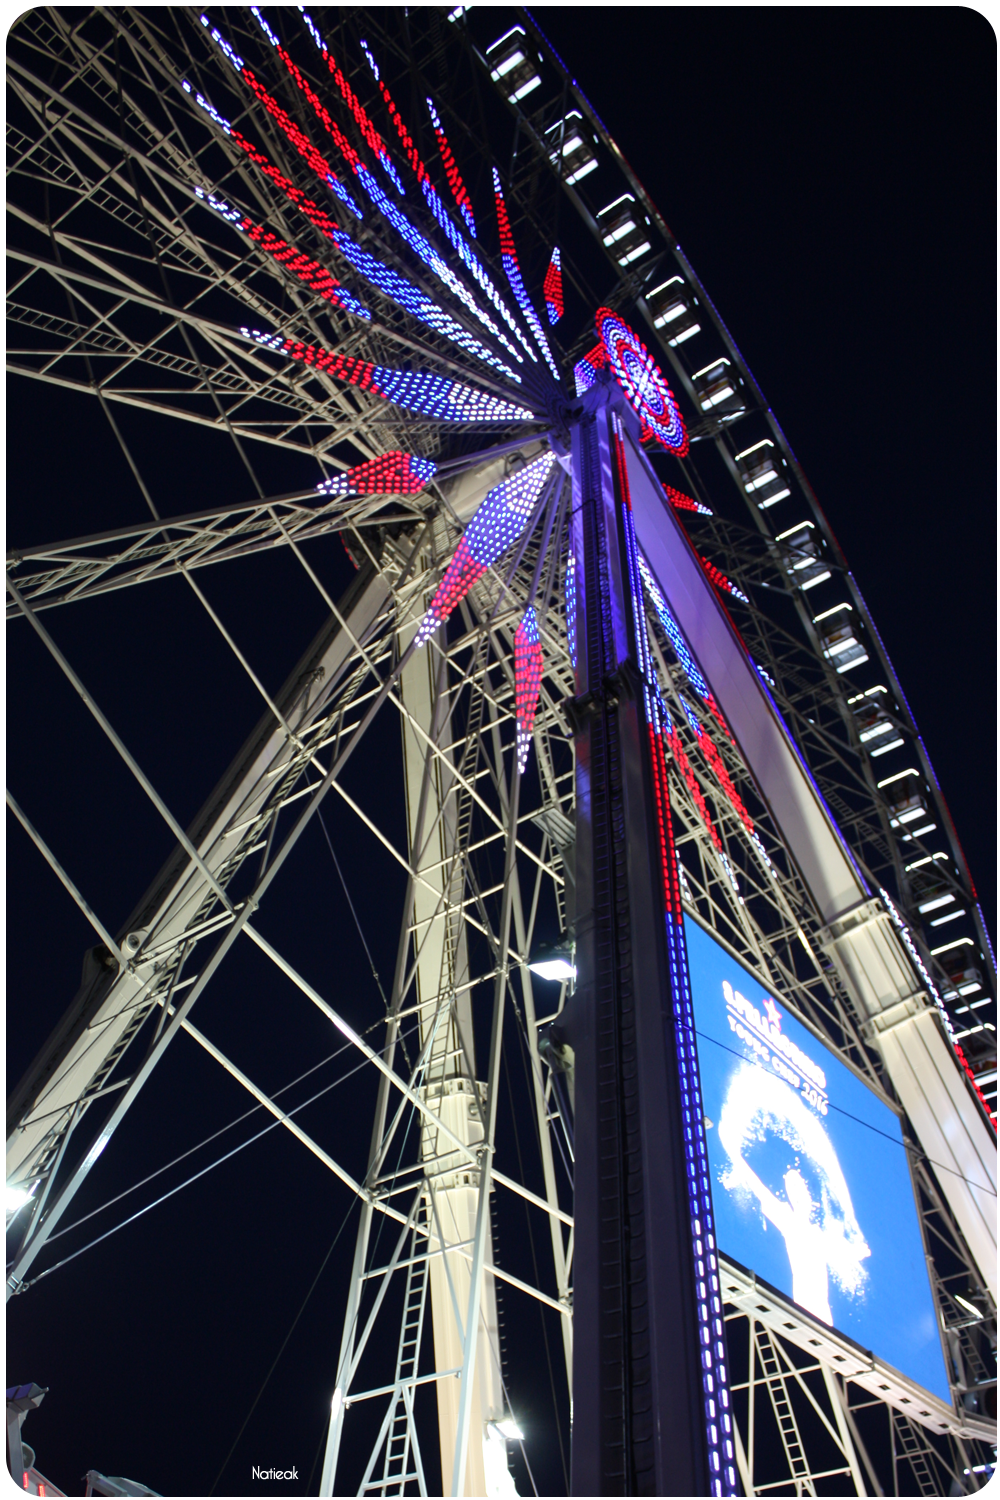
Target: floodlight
<point>553,963</point>
<point>16,1197</point>
<point>967,1305</point>
<point>508,1428</point>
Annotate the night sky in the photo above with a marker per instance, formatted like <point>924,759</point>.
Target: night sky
<point>830,174</point>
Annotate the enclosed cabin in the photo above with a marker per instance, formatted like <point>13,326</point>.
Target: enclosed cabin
<point>625,230</point>
<point>764,474</point>
<point>802,554</point>
<point>718,388</point>
<point>932,890</point>
<point>877,731</point>
<point>513,65</point>
<point>964,978</point>
<point>906,799</point>
<point>572,148</point>
<point>839,637</point>
<point>673,309</point>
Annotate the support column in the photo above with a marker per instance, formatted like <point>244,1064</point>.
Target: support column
<point>651,1407</point>
<point>453,1229</point>
<point>437,822</point>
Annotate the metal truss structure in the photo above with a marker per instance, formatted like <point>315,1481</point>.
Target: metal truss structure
<point>128,292</point>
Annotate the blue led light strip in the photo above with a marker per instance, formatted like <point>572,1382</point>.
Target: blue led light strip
<point>718,1419</point>
<point>570,592</point>
<point>417,390</point>
<point>437,208</point>
<point>497,524</point>
<point>407,231</point>
<point>384,278</point>
<point>672,630</point>
<point>512,270</point>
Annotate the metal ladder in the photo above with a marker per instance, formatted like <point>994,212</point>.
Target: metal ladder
<point>395,1465</point>
<point>915,1451</point>
<point>785,1416</point>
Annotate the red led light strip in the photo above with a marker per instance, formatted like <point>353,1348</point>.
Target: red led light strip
<point>316,277</point>
<point>392,474</point>
<point>719,579</point>
<point>684,766</point>
<point>711,753</point>
<point>301,142</point>
<point>527,682</point>
<point>312,210</point>
<point>454,176</point>
<point>680,501</point>
<point>552,288</point>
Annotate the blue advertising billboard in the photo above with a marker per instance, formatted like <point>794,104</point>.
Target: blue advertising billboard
<point>810,1180</point>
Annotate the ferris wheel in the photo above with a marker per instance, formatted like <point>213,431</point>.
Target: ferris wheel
<point>356,261</point>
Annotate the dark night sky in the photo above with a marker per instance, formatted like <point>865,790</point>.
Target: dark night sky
<point>830,174</point>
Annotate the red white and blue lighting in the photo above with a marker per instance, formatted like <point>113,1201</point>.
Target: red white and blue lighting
<point>512,270</point>
<point>437,208</point>
<point>391,474</point>
<point>384,278</point>
<point>416,302</point>
<point>680,648</point>
<point>583,370</point>
<point>673,631</point>
<point>710,750</point>
<point>680,501</point>
<point>407,231</point>
<point>454,176</point>
<point>509,507</point>
<point>497,524</point>
<point>527,682</point>
<point>416,390</point>
<point>315,276</point>
<point>639,377</point>
<point>371,135</point>
<point>552,288</point>
<point>318,216</point>
<point>720,580</point>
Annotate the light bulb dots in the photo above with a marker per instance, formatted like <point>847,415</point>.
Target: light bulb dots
<point>454,176</point>
<point>680,501</point>
<point>552,288</point>
<point>528,668</point>
<point>315,276</point>
<point>417,390</point>
<point>496,525</point>
<point>412,236</point>
<point>512,270</point>
<point>640,378</point>
<point>390,474</point>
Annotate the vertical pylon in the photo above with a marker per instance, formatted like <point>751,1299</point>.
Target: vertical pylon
<point>651,1401</point>
<point>433,979</point>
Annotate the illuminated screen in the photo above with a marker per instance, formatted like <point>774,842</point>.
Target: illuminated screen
<point>810,1181</point>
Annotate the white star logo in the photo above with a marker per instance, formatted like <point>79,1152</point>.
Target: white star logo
<point>773,1013</point>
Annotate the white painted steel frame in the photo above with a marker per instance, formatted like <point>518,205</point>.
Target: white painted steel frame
<point>241,377</point>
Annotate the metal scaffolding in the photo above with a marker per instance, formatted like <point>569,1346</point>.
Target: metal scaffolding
<point>127,292</point>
